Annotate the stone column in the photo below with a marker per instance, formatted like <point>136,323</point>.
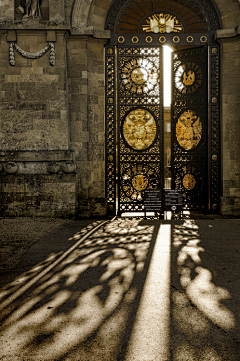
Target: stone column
<point>86,89</point>
<point>230,120</point>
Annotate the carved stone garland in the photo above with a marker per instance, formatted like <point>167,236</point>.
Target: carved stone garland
<point>35,55</point>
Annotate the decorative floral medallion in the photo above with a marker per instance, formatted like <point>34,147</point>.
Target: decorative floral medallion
<point>140,182</point>
<point>189,181</point>
<point>188,77</point>
<point>139,129</point>
<point>188,130</point>
<point>139,76</point>
<point>135,179</point>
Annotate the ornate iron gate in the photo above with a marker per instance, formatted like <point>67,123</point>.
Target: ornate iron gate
<point>190,126</point>
<point>134,110</point>
<point>139,127</point>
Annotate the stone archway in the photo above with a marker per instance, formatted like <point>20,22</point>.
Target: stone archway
<point>88,17</point>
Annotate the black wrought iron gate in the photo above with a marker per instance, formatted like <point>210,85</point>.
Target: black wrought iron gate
<point>190,126</point>
<point>140,124</point>
<point>137,127</point>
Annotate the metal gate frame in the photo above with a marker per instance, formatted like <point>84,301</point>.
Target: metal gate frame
<point>213,148</point>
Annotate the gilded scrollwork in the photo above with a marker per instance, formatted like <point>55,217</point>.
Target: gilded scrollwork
<point>139,129</point>
<point>162,23</point>
<point>188,130</point>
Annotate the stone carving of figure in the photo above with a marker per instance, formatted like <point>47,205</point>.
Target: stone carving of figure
<point>32,9</point>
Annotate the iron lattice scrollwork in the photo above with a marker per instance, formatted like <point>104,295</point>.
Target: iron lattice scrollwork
<point>188,76</point>
<point>191,178</point>
<point>132,15</point>
<point>215,130</point>
<point>140,128</point>
<point>134,180</point>
<point>110,131</point>
<point>189,132</point>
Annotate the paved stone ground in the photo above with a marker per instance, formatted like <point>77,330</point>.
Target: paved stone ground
<point>17,235</point>
<point>132,290</point>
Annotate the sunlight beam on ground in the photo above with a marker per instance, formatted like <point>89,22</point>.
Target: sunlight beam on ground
<point>150,334</point>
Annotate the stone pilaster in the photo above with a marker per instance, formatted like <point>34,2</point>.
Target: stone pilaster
<point>86,90</point>
<point>230,117</point>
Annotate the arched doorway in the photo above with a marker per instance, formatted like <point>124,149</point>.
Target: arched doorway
<point>134,102</point>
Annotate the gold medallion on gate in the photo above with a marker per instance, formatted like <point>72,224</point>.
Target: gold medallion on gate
<point>189,181</point>
<point>139,129</point>
<point>189,130</point>
<point>140,182</point>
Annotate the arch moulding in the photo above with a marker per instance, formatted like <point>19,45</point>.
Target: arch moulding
<point>90,15</point>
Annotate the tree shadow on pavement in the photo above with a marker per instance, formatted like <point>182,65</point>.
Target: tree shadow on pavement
<point>83,306</point>
<point>204,313</point>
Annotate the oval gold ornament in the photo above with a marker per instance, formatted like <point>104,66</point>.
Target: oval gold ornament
<point>188,130</point>
<point>189,181</point>
<point>139,129</point>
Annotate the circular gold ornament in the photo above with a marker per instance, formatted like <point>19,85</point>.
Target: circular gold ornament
<point>188,77</point>
<point>214,100</point>
<point>176,39</point>
<point>190,39</point>
<point>214,51</point>
<point>203,39</point>
<point>140,182</point>
<point>139,129</point>
<point>189,181</point>
<point>148,39</point>
<point>139,75</point>
<point>162,39</point>
<point>135,39</point>
<point>110,51</point>
<point>121,39</point>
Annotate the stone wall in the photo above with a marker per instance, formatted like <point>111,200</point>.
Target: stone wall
<point>34,129</point>
<point>86,90</point>
<point>33,93</point>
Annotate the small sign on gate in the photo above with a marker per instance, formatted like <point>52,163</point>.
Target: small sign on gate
<point>153,200</point>
<point>173,200</point>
